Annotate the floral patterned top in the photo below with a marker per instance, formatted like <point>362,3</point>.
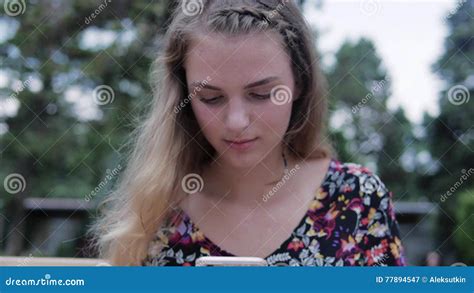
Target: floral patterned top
<point>350,222</point>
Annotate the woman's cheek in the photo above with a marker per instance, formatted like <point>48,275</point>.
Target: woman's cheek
<point>277,119</point>
<point>202,114</point>
<point>208,123</point>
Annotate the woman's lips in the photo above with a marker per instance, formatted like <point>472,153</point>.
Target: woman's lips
<point>241,145</point>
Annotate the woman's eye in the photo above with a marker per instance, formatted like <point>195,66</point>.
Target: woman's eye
<point>210,101</point>
<point>260,96</point>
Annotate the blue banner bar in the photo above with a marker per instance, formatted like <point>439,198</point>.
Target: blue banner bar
<point>237,279</point>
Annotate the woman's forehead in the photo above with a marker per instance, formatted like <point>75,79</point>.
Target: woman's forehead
<point>245,58</point>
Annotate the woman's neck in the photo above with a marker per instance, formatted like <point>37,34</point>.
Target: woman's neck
<point>245,186</point>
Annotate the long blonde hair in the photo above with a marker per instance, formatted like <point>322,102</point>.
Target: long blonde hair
<point>168,144</point>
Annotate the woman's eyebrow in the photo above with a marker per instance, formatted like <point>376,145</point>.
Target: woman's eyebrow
<point>250,85</point>
<point>261,82</point>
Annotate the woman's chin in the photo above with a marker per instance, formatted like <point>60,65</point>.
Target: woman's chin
<point>241,160</point>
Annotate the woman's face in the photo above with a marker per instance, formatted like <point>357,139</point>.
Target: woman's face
<point>241,89</point>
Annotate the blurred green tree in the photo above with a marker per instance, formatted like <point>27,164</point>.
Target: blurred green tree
<point>362,127</point>
<point>75,82</point>
<point>450,135</point>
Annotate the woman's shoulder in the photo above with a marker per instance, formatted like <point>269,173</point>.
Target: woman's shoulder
<point>352,182</point>
<point>365,180</point>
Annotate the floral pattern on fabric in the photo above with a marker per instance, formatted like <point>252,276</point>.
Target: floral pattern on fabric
<point>350,222</point>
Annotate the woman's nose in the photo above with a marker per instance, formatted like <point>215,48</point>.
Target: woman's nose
<point>237,116</point>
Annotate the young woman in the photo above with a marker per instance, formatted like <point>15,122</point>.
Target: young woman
<point>233,159</point>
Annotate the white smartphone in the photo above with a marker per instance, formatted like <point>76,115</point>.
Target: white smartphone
<point>230,261</point>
